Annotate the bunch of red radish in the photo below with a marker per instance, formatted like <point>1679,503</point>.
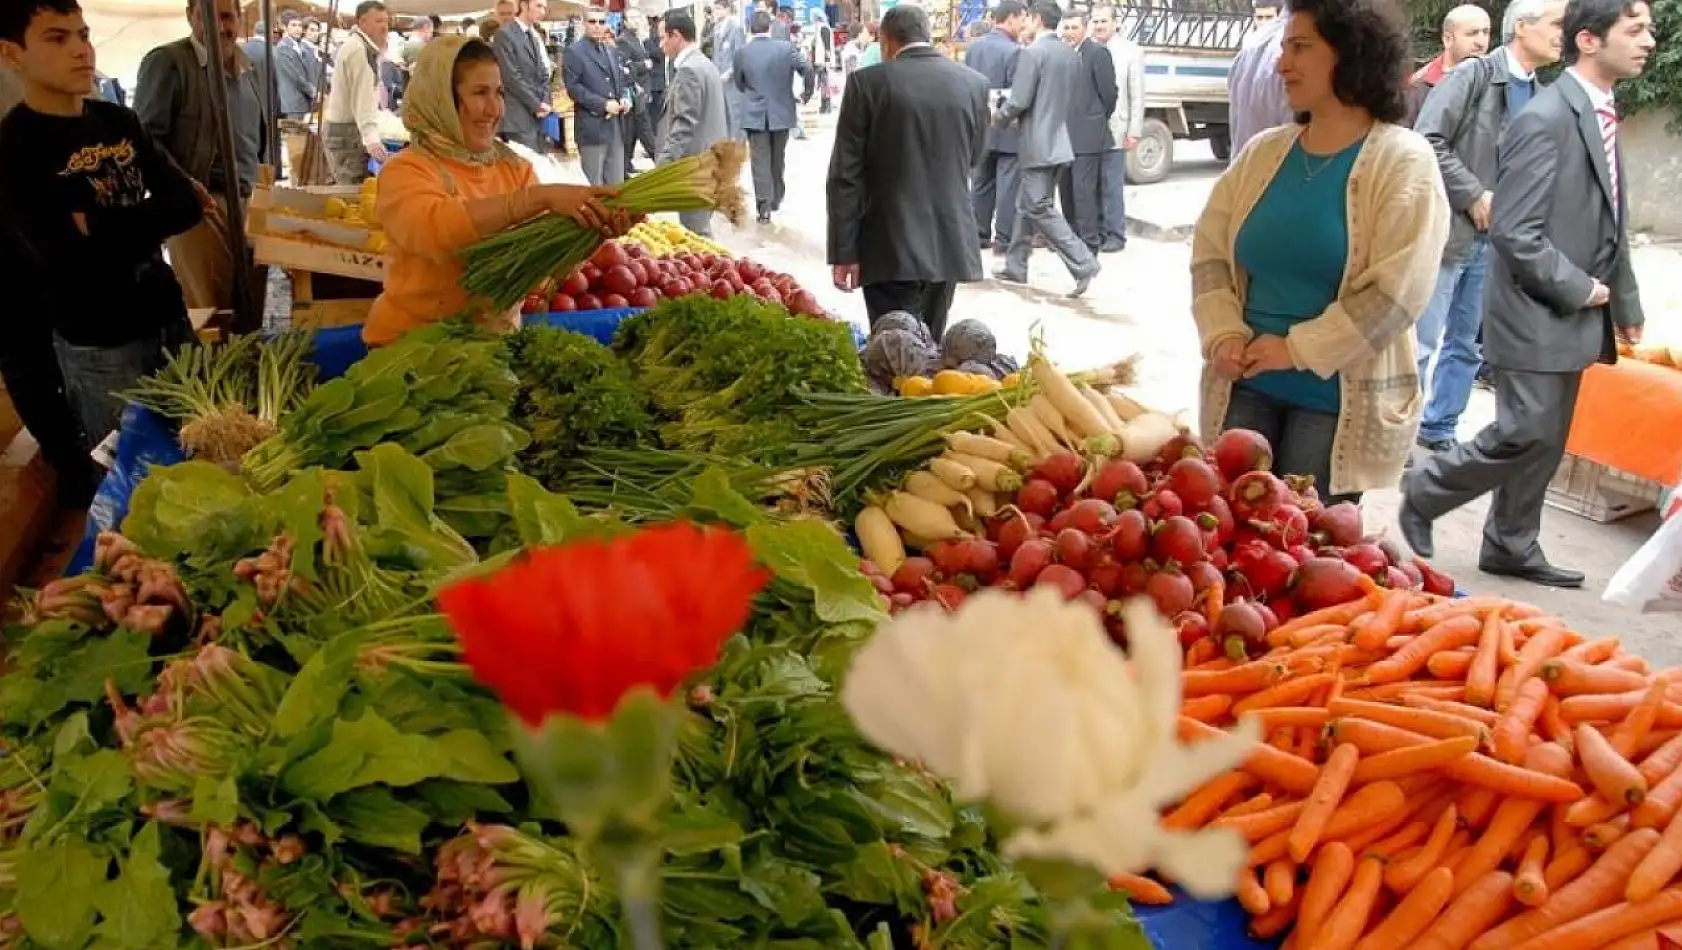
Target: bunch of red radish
<point>624,275</point>
<point>1204,535</point>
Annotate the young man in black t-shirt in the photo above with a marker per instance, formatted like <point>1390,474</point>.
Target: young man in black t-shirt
<point>88,199</point>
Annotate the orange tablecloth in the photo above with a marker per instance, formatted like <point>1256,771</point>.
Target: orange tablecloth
<point>1629,416</point>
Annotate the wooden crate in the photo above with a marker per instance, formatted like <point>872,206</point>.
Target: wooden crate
<point>322,314</point>
<point>1600,493</point>
<point>295,255</point>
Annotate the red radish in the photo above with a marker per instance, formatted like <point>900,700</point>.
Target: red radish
<point>948,595</point>
<point>1242,450</point>
<point>1037,496</point>
<point>1284,527</point>
<point>1340,524</point>
<point>1241,631</point>
<point>1075,548</point>
<point>1015,528</point>
<point>901,600</point>
<point>1416,578</point>
<point>1269,620</point>
<point>1131,536</point>
<point>1172,592</point>
<point>1135,577</point>
<point>1367,558</point>
<point>1059,521</point>
<point>882,584</point>
<point>1028,561</point>
<point>1191,627</point>
<point>1225,524</point>
<point>1062,469</point>
<point>1095,600</point>
<point>1396,579</point>
<point>1302,552</point>
<point>1107,576</point>
<point>1065,579</point>
<point>1218,559</point>
<point>1179,447</point>
<point>1267,570</point>
<point>980,558</point>
<point>1390,550</point>
<point>949,557</point>
<point>1177,539</point>
<point>1255,495</point>
<point>867,567</point>
<point>1194,481</point>
<point>1203,575</point>
<point>914,576</point>
<point>614,302</point>
<point>1435,581</point>
<point>1119,477</point>
<point>1325,582</point>
<point>1163,503</point>
<point>1092,515</point>
<point>1284,608</point>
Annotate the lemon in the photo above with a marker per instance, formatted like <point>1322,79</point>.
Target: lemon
<point>950,382</point>
<point>377,241</point>
<point>370,186</point>
<point>981,383</point>
<point>914,386</point>
<point>336,208</point>
<point>1011,379</point>
<point>368,205</point>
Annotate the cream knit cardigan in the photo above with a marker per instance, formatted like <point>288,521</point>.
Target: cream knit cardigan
<point>1398,224</point>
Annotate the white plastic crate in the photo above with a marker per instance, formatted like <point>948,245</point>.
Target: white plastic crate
<point>1600,493</point>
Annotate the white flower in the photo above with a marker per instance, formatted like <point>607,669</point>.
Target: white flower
<point>1023,700</point>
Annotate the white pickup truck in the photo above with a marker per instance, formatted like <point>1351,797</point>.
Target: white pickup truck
<point>1188,57</point>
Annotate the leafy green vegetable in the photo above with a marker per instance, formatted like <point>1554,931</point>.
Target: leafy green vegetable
<point>573,394</point>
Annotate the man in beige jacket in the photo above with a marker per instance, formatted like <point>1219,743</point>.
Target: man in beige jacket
<point>1127,123</point>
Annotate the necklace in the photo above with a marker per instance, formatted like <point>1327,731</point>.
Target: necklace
<point>1311,171</point>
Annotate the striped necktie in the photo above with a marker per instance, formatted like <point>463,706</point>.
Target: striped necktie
<point>1609,137</point>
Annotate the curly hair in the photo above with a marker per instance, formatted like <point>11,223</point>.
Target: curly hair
<point>1370,38</point>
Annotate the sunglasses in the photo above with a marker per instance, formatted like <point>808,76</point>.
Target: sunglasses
<point>595,22</point>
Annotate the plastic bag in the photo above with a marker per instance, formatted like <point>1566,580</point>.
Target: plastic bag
<point>1651,580</point>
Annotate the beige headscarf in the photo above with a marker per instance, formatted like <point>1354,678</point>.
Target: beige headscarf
<point>429,106</point>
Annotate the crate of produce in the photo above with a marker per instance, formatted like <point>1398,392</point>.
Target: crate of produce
<point>1600,493</point>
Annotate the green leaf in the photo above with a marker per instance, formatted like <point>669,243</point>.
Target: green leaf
<point>455,803</point>
<point>216,802</point>
<point>71,737</point>
<point>690,831</point>
<point>297,508</point>
<point>543,517</point>
<point>370,751</point>
<point>786,889</point>
<point>375,816</point>
<point>876,876</point>
<point>376,400</point>
<point>909,804</point>
<point>468,756</point>
<point>139,906</point>
<point>401,486</point>
<point>96,782</point>
<point>56,889</point>
<point>315,693</point>
<point>714,498</point>
<point>478,447</point>
<point>176,506</point>
<point>810,553</point>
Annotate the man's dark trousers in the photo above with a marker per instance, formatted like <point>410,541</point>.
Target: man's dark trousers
<point>929,300</point>
<point>1081,186</point>
<point>766,149</point>
<point>994,192</point>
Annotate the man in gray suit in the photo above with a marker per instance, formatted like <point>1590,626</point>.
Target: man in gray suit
<point>1561,293</point>
<point>1039,107</point>
<point>1090,107</point>
<point>694,117</point>
<point>764,72</point>
<point>728,39</point>
<point>526,70</point>
<point>1127,123</point>
<point>993,192</point>
<point>297,70</point>
<point>910,131</point>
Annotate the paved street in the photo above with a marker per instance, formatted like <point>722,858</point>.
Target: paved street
<point>1141,304</point>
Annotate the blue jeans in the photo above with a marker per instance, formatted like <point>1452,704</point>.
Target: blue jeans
<point>1448,331</point>
<point>96,376</point>
<point>1301,438</point>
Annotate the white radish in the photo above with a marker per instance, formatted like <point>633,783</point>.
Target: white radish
<point>1030,430</point>
<point>1147,434</point>
<point>879,539</point>
<point>923,518</point>
<point>1052,418</point>
<point>953,473</point>
<point>1102,405</point>
<point>1125,407</point>
<point>987,447</point>
<point>1003,434</point>
<point>986,504</point>
<point>925,485</point>
<point>989,474</point>
<point>1057,391</point>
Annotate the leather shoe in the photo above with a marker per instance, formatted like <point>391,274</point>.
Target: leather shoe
<point>1416,528</point>
<point>1085,280</point>
<point>1008,277</point>
<point>1544,574</point>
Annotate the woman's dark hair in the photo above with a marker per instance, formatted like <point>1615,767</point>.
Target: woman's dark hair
<point>1371,41</point>
<point>1597,17</point>
<point>472,51</point>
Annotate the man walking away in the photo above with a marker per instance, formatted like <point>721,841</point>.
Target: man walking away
<point>1465,35</point>
<point>908,135</point>
<point>1090,108</point>
<point>297,83</point>
<point>526,71</point>
<point>993,193</point>
<point>88,200</point>
<point>638,124</point>
<point>595,80</point>
<point>1463,119</point>
<point>350,127</point>
<point>1039,106</point>
<point>765,71</point>
<point>1255,93</point>
<point>823,58</point>
<point>173,95</point>
<point>1561,293</point>
<point>728,39</point>
<point>1127,123</point>
<point>694,119</point>
<point>659,75</point>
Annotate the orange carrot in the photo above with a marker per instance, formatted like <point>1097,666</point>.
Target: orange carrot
<point>1205,803</point>
<point>1348,920</point>
<point>1247,678</point>
<point>1473,912</point>
<point>1290,692</point>
<point>1372,633</point>
<point>1592,651</point>
<point>1476,804</point>
<point>1508,648</point>
<point>1592,810</point>
<point>1450,665</point>
<point>1659,867</point>
<point>1598,887</point>
<point>1323,800</point>
<point>1567,865</point>
<point>1291,717</point>
<point>1140,889</point>
<point>1662,760</point>
<point>1610,773</point>
<point>1474,769</point>
<point>1554,726</point>
<point>1530,888</point>
<point>1662,802</point>
<point>1512,733</point>
<point>1480,676</point>
<point>1201,652</point>
<point>1414,759</point>
<point>1261,801</point>
<point>1573,678</point>
<point>1418,909</point>
<point>1594,931</point>
<point>1394,845</point>
<point>1611,707</point>
<point>1407,873</point>
<point>1540,648</point>
<point>1207,708</point>
<point>1251,895</point>
<point>1599,836</point>
<point>1274,922</point>
<point>1427,722</point>
<point>1463,710</point>
<point>1258,825</point>
<point>1338,615</point>
<point>1632,732</point>
<point>1333,867</point>
<point>1287,771</point>
<point>1511,820</point>
<point>1365,807</point>
<point>1279,878</point>
<point>1450,634</point>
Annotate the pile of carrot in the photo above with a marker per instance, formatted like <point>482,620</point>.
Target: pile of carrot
<point>1446,775</point>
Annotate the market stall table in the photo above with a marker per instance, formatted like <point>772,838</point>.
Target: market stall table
<point>1623,450</point>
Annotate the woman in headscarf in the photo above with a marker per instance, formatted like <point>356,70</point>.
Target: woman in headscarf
<point>455,185</point>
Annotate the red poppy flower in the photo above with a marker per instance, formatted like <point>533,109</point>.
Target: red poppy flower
<point>572,628</point>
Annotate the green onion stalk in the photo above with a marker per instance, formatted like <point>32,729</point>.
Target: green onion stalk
<point>505,267</point>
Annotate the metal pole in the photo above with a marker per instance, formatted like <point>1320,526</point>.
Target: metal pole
<point>216,74</point>
<point>271,88</point>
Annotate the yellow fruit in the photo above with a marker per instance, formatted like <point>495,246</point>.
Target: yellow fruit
<point>914,386</point>
<point>377,241</point>
<point>950,382</point>
<point>336,208</point>
<point>369,204</point>
<point>370,186</point>
<point>980,383</point>
<point>1011,379</point>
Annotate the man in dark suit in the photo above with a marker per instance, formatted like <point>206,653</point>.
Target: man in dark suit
<point>993,190</point>
<point>1039,106</point>
<point>729,36</point>
<point>1561,293</point>
<point>909,134</point>
<point>658,78</point>
<point>694,120</point>
<point>595,79</point>
<point>764,72</point>
<point>1090,107</point>
<point>638,124</point>
<point>526,69</point>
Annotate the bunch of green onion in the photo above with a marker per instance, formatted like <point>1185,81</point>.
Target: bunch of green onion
<point>228,397</point>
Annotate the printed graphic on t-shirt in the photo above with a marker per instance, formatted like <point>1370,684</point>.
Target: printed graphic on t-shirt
<point>111,172</point>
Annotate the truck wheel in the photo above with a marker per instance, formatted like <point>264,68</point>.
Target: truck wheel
<point>1151,159</point>
<point>1221,144</point>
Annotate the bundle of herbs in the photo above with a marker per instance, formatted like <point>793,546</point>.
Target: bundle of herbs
<point>228,397</point>
<point>574,395</point>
